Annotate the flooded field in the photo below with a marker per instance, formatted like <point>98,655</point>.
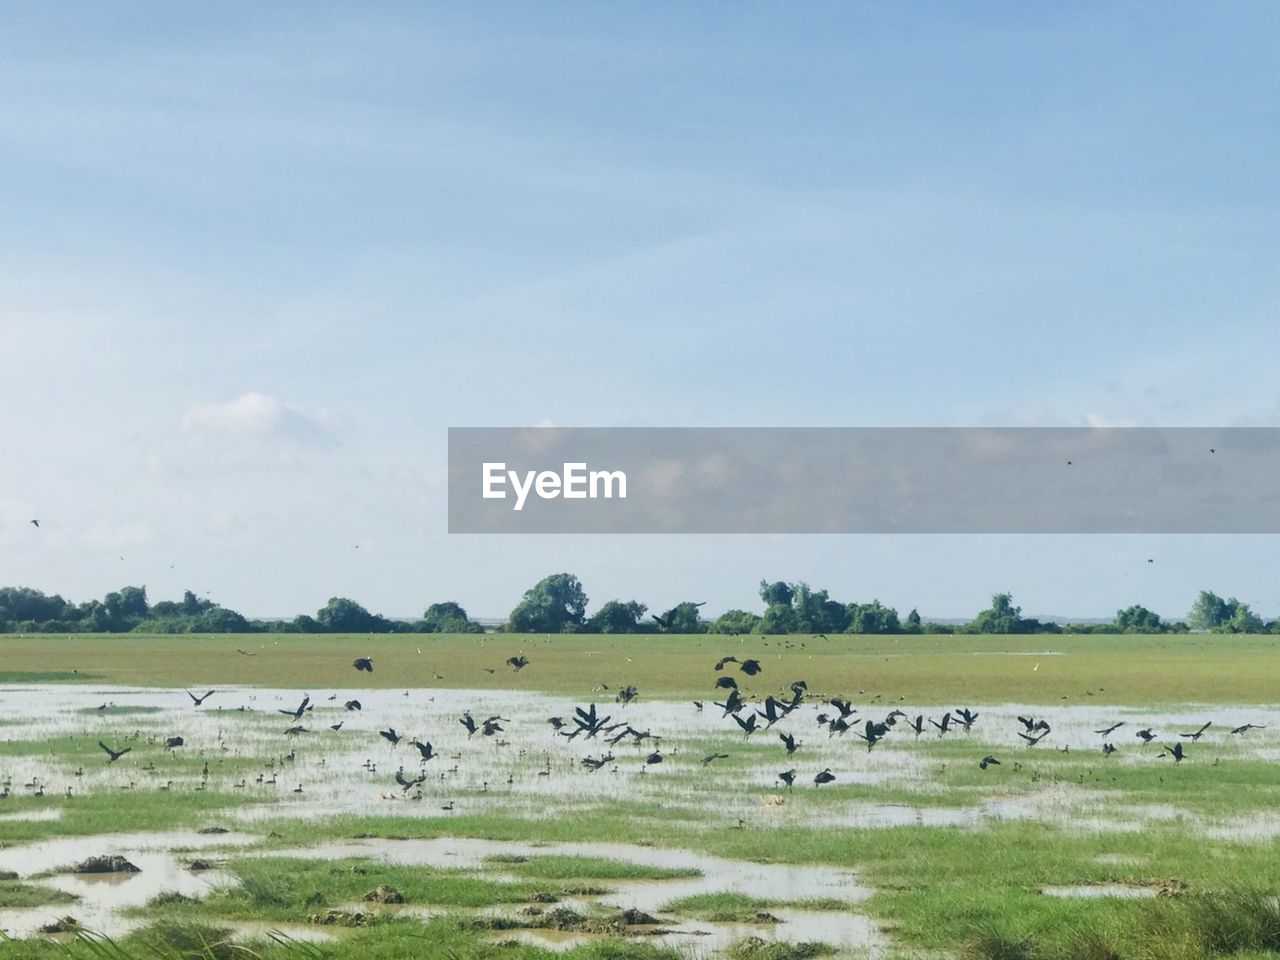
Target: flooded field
<point>256,779</point>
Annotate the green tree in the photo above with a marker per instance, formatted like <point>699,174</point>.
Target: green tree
<point>776,593</point>
<point>736,621</point>
<point>1210,612</point>
<point>448,617</point>
<point>913,621</point>
<point>554,604</point>
<point>1138,619</point>
<point>1003,617</point>
<point>617,616</point>
<point>872,617</point>
<point>343,615</point>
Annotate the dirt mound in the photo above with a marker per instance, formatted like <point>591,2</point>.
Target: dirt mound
<point>113,864</point>
<point>384,894</point>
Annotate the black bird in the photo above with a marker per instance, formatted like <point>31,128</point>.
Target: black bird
<point>556,722</point>
<point>788,777</point>
<point>748,725</point>
<point>302,708</point>
<point>774,710</point>
<point>723,660</point>
<point>1175,751</point>
<point>715,756</point>
<point>113,755</point>
<point>844,706</point>
<point>171,742</point>
<point>363,663</point>
<point>663,624</point>
<point>199,700</point>
<point>425,750</point>
<point>336,726</point>
<point>945,726</point>
<point>591,763</point>
<point>826,776</point>
<point>491,726</point>
<point>875,732</point>
<point>726,683</point>
<point>352,704</point>
<point>732,703</point>
<point>390,735</point>
<point>1033,739</point>
<point>789,742</point>
<point>1108,749</point>
<point>35,523</point>
<point>698,704</point>
<point>917,724</point>
<point>654,757</point>
<point>626,695</point>
<point>750,667</point>
<point>1108,731</point>
<point>988,761</point>
<point>469,722</point>
<point>1198,734</point>
<point>966,718</point>
<point>406,783</point>
<point>1146,736</point>
<point>1249,726</point>
<point>517,663</point>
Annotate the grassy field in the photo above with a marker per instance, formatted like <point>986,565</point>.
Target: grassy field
<point>1217,668</point>
<point>1153,861</point>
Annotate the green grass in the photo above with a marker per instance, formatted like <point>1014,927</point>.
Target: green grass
<point>923,669</point>
<point>594,868</point>
<point>17,895</point>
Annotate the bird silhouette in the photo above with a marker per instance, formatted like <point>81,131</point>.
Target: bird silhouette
<point>1108,731</point>
<point>1245,728</point>
<point>788,777</point>
<point>748,725</point>
<point>826,776</point>
<point>750,667</point>
<point>788,741</point>
<point>199,700</point>
<point>1197,734</point>
<point>298,711</point>
<point>352,704</point>
<point>390,735</point>
<point>988,761</point>
<point>723,660</point>
<point>171,742</point>
<point>1146,736</point>
<point>1176,752</point>
<point>113,755</point>
<point>364,664</point>
<point>517,663</point>
<point>709,758</point>
<point>426,750</point>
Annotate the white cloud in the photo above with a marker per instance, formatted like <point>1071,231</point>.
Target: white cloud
<point>257,415</point>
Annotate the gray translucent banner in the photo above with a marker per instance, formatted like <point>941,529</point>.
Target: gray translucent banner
<point>864,480</point>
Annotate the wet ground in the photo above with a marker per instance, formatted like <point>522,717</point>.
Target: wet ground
<point>236,742</point>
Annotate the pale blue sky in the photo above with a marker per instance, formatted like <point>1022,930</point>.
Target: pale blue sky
<point>257,258</point>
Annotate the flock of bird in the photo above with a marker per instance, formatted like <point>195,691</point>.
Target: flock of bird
<point>836,716</point>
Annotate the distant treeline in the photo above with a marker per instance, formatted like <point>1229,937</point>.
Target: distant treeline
<point>558,604</point>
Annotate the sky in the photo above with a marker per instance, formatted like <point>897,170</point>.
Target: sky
<point>257,258</point>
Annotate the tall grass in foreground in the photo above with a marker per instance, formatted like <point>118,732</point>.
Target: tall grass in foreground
<point>163,942</point>
<point>1232,924</point>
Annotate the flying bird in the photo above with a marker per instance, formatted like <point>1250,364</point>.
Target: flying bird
<point>1175,751</point>
<point>788,777</point>
<point>390,735</point>
<point>1197,734</point>
<point>517,663</point>
<point>113,755</point>
<point>363,663</point>
<point>426,750</point>
<point>1108,731</point>
<point>199,700</point>
<point>988,761</point>
<point>1248,726</point>
<point>1146,736</point>
<point>826,776</point>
